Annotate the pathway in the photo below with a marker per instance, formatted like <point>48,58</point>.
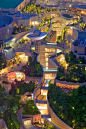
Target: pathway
<point>30,126</point>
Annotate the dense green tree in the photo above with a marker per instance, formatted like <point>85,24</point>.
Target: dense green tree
<point>83,26</point>
<point>71,106</point>
<point>3,62</point>
<point>9,106</point>
<point>25,87</point>
<point>33,68</point>
<point>11,120</point>
<point>29,108</point>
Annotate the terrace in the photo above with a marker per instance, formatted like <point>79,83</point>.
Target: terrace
<point>67,15</point>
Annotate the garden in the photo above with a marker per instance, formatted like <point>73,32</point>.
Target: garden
<point>9,106</point>
<point>20,29</point>
<point>71,106</point>
<point>44,22</point>
<point>75,69</point>
<point>33,8</point>
<point>83,26</point>
<point>22,87</point>
<point>62,38</point>
<point>77,21</point>
<point>33,68</point>
<point>30,108</point>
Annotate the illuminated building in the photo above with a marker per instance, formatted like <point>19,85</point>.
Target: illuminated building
<point>44,51</point>
<point>19,76</point>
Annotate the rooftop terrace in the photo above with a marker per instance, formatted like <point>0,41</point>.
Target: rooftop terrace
<point>6,4</point>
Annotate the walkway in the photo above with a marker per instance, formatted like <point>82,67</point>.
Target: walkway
<point>30,126</point>
<point>14,68</point>
<point>11,52</point>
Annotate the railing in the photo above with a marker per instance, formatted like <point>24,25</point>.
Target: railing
<point>50,123</point>
<point>37,91</point>
<point>55,120</point>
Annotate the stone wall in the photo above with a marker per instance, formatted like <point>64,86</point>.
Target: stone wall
<point>6,31</point>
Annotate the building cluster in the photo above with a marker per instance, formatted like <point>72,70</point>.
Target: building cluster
<point>22,45</point>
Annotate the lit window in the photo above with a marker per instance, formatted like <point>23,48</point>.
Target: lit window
<point>46,64</point>
<point>46,59</point>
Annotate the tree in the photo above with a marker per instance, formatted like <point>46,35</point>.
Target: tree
<point>25,87</point>
<point>3,62</point>
<point>71,106</point>
<point>30,61</point>
<point>3,95</point>
<point>64,32</point>
<point>30,108</point>
<point>83,26</point>
<point>59,39</point>
<point>11,120</point>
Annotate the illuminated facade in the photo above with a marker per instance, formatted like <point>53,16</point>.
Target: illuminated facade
<point>68,85</point>
<point>50,76</point>
<point>45,50</point>
<point>19,76</point>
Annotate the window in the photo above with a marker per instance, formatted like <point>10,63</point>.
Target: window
<point>46,59</point>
